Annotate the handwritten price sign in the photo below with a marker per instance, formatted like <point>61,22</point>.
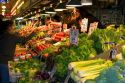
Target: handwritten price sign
<point>84,25</point>
<point>74,36</point>
<point>92,27</point>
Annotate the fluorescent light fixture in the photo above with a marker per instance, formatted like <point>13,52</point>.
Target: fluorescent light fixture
<point>20,5</point>
<point>30,18</point>
<point>86,2</point>
<point>45,14</point>
<point>15,5</point>
<point>68,7</point>
<point>13,12</point>
<point>50,10</point>
<point>74,3</point>
<point>19,18</point>
<point>61,6</point>
<point>3,7</point>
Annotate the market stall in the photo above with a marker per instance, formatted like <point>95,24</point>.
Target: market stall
<point>59,54</point>
<point>70,45</point>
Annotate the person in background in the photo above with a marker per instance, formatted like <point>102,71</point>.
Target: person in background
<point>80,14</point>
<point>48,21</point>
<point>90,16</point>
<point>56,18</point>
<point>8,41</point>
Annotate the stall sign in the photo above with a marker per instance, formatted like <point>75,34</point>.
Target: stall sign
<point>92,27</point>
<point>74,36</point>
<point>2,1</point>
<point>84,24</point>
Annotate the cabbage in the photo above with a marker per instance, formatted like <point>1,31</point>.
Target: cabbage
<point>121,80</point>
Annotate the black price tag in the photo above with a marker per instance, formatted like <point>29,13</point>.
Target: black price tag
<point>113,53</point>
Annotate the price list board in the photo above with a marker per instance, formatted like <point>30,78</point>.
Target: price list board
<point>3,1</point>
<point>111,17</point>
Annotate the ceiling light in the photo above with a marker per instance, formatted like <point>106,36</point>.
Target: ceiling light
<point>73,3</point>
<point>61,6</point>
<point>50,10</point>
<point>13,12</point>
<point>20,5</point>
<point>68,7</point>
<point>86,2</point>
<point>3,7</point>
<point>3,13</point>
<point>19,18</point>
<point>15,5</point>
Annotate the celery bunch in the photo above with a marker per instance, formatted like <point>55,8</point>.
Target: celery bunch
<point>86,70</point>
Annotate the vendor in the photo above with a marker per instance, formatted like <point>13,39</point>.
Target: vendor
<point>8,42</point>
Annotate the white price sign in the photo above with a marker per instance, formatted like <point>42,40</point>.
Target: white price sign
<point>84,24</point>
<point>92,27</point>
<point>74,36</point>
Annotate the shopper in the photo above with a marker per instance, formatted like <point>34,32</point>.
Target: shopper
<point>8,42</point>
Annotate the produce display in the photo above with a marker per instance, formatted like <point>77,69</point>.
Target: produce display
<point>88,47</point>
<point>24,56</point>
<point>43,28</point>
<point>22,53</point>
<point>48,42</point>
<point>26,68</point>
<point>84,70</point>
<point>25,30</point>
<point>59,36</point>
<point>68,54</point>
<point>110,34</point>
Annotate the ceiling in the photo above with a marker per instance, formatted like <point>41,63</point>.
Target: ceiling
<point>42,3</point>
